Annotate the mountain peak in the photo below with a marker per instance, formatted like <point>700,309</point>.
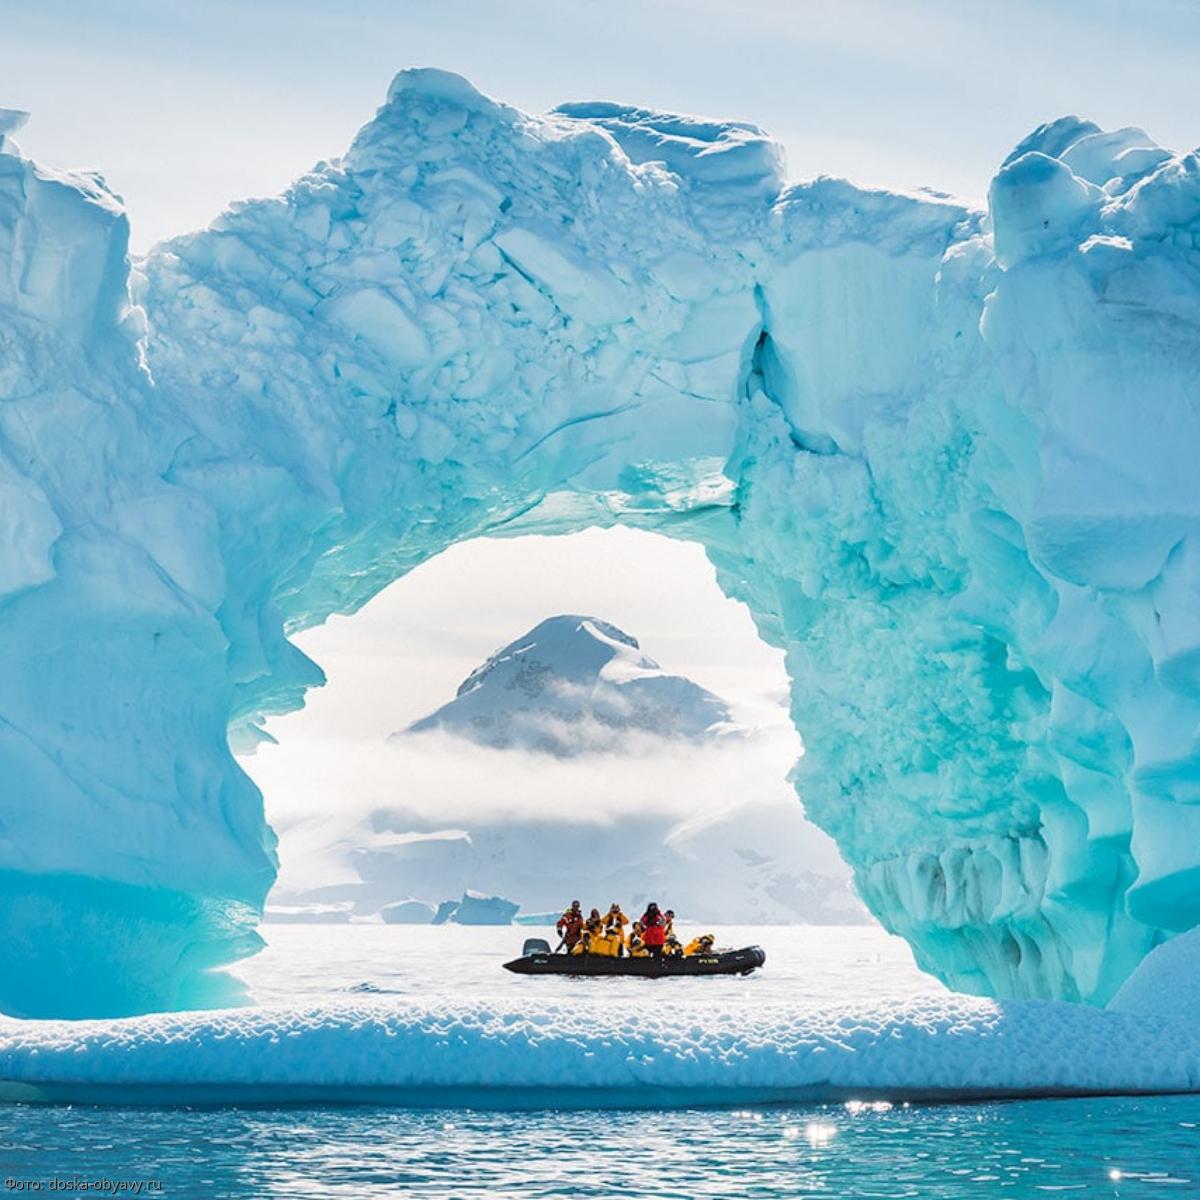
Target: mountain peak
<point>574,684</point>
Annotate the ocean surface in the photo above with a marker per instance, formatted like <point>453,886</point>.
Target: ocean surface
<point>1107,1147</point>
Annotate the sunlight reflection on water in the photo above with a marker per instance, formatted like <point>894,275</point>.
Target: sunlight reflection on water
<point>1106,1147</point>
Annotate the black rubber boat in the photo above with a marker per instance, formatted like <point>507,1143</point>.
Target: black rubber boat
<point>536,959</point>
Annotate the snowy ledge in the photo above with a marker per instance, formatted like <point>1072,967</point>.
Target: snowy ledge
<point>587,1055</point>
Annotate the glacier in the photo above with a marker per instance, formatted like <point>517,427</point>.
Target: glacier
<point>944,455</point>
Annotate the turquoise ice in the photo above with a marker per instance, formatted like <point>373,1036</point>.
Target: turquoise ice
<point>946,457</point>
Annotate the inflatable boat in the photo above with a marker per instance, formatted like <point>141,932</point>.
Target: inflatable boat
<point>537,959</point>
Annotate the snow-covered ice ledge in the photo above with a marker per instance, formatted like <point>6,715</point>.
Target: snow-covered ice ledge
<point>648,1050</point>
<point>947,457</point>
<point>584,1055</point>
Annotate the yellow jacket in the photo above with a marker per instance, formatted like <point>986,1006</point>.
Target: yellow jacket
<point>698,946</point>
<point>607,945</point>
<point>637,948</point>
<point>615,920</point>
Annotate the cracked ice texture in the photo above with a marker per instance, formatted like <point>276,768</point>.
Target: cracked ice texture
<point>946,457</point>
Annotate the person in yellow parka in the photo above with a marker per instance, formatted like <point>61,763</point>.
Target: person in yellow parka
<point>699,945</point>
<point>637,948</point>
<point>614,926</point>
<point>608,943</point>
<point>591,940</point>
<point>615,918</point>
<point>672,947</point>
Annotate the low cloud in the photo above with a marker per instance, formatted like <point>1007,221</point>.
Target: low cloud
<point>318,793</point>
<point>439,779</point>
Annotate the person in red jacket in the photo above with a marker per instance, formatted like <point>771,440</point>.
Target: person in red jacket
<point>570,926</point>
<point>654,929</point>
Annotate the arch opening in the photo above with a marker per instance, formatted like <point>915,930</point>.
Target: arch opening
<point>570,762</point>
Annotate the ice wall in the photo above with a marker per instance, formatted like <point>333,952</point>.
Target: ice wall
<point>944,456</point>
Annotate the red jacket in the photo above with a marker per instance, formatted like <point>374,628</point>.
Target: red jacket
<point>570,925</point>
<point>655,929</point>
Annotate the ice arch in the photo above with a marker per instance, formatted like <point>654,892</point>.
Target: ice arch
<point>946,457</point>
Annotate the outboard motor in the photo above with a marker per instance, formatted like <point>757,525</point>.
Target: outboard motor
<point>535,946</point>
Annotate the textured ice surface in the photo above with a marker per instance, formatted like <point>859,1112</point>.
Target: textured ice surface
<point>946,457</point>
<point>1165,982</point>
<point>587,1054</point>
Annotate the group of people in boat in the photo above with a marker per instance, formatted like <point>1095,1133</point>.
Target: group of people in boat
<point>652,935</point>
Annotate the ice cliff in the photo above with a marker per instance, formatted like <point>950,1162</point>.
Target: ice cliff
<point>946,457</point>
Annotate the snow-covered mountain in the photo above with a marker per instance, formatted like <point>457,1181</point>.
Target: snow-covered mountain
<point>658,793</point>
<point>576,684</point>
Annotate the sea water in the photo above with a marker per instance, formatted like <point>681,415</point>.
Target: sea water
<point>1116,1147</point>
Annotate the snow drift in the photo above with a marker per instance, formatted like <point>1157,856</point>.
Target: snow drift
<point>946,457</point>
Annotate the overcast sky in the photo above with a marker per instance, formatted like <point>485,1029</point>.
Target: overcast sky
<point>188,105</point>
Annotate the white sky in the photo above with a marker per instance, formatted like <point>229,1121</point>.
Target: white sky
<point>188,104</point>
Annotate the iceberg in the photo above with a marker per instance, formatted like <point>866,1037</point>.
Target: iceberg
<point>477,909</point>
<point>945,456</point>
<point>407,912</point>
<point>538,918</point>
<point>474,908</point>
<point>1163,987</point>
